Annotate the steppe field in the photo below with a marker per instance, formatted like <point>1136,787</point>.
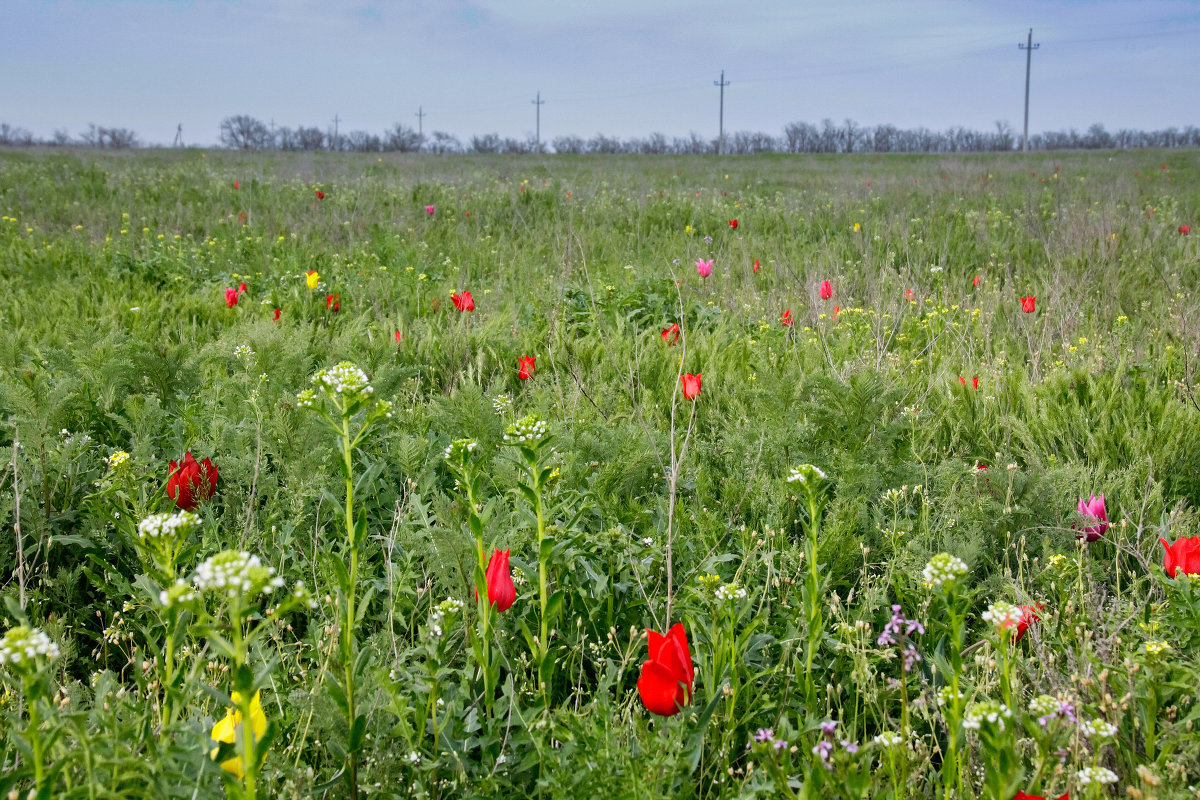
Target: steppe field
<point>578,477</point>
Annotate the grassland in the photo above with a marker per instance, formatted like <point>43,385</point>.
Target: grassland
<point>941,418</point>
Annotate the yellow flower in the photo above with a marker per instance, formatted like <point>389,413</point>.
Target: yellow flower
<point>313,279</point>
<point>226,732</point>
<point>857,227</point>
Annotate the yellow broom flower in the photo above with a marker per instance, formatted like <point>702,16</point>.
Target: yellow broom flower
<point>313,278</point>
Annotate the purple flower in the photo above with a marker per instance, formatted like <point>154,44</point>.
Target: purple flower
<point>829,728</point>
<point>850,747</point>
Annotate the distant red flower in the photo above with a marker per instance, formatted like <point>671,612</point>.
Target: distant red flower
<point>276,317</point>
<point>826,290</point>
<point>320,195</point>
<point>665,685</point>
<point>1023,796</point>
<point>1183,555</point>
<point>463,302</point>
<point>691,385</point>
<point>757,266</point>
<point>1029,304</point>
<point>670,335</point>
<point>231,297</point>
<point>525,370</point>
<point>500,589</point>
<point>1027,617</point>
<point>1185,229</point>
<point>242,287</point>
<point>908,295</point>
<point>962,380</point>
<point>976,281</point>
<point>190,482</point>
<point>786,317</point>
<point>1164,166</point>
<point>333,302</point>
<point>837,310</point>
<point>399,337</point>
<point>237,185</point>
<point>429,210</point>
<point>974,383</point>
<point>241,216</point>
<point>733,223</point>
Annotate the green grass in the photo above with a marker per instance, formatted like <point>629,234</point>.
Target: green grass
<point>116,338</point>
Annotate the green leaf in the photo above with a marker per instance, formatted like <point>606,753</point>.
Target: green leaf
<point>357,733</point>
<point>554,606</point>
<point>546,549</point>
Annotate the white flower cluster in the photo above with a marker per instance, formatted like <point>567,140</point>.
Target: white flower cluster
<point>805,473</point>
<point>345,381</point>
<point>1043,705</point>
<point>943,570</point>
<point>167,526</point>
<point>986,711</point>
<point>180,593</point>
<point>526,429</point>
<point>243,352</point>
<point>1095,775</point>
<point>502,403</point>
<point>458,449</point>
<point>22,644</point>
<point>438,615</point>
<point>1002,615</point>
<point>730,591</point>
<point>1098,729</point>
<point>946,695</point>
<point>235,573</point>
<point>889,739</point>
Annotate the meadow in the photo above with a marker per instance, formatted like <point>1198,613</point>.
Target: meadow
<point>599,477</point>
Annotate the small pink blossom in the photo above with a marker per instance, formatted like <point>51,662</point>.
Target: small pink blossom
<point>703,267</point>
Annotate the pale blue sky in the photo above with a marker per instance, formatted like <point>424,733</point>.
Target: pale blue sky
<point>621,67</point>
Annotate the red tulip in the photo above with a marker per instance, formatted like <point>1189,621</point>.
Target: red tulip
<point>962,380</point>
<point>333,302</point>
<point>463,302</point>
<point>231,297</point>
<point>526,367</point>
<point>242,287</point>
<point>276,317</point>
<point>976,281</point>
<point>237,185</point>
<point>691,385</point>
<point>1184,555</point>
<point>320,195</point>
<point>399,336</point>
<point>190,482</point>
<point>1028,617</point>
<point>665,684</point>
<point>1023,796</point>
<point>501,591</point>
<point>974,383</point>
<point>1094,512</point>
<point>733,223</point>
<point>1028,304</point>
<point>671,335</point>
<point>787,318</point>
<point>908,295</point>
<point>756,265</point>
<point>837,310</point>
<point>1185,229</point>
<point>826,290</point>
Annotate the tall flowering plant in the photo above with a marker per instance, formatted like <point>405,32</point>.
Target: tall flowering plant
<point>26,655</point>
<point>811,481</point>
<point>343,398</point>
<point>944,577</point>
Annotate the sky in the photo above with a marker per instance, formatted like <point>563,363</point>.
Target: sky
<point>620,67</point>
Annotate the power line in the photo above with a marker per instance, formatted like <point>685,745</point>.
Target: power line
<point>420,115</point>
<point>1028,47</point>
<point>721,134</point>
<point>539,102</point>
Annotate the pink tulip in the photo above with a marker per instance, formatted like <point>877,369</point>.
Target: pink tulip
<point>429,209</point>
<point>1092,510</point>
<point>704,267</point>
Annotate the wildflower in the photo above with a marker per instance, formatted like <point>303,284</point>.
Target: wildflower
<point>22,644</point>
<point>691,385</point>
<point>229,729</point>
<point>908,295</point>
<point>826,290</point>
<point>703,267</point>
<point>235,574</point>
<point>943,571</point>
<point>237,185</point>
<point>975,282</point>
<point>1095,775</point>
<point>500,589</point>
<point>1183,555</point>
<point>429,210</point>
<point>1048,709</point>
<point>344,382</point>
<point>399,337</point>
<point>1029,304</point>
<point>180,593</point>
<point>457,451</point>
<point>786,318</point>
<point>888,739</point>
<point>463,302</point>
<point>1156,647</point>
<point>665,685</point>
<point>167,526</point>
<point>190,482</point>
<point>733,224</point>
<point>450,605</point>
<point>1092,510</point>
<point>312,278</point>
<point>1184,230</point>
<point>275,318</point>
<point>1005,616</point>
<point>231,297</point>
<point>501,403</point>
<point>333,302</point>
<point>1098,729</point>
<point>1022,796</point>
<point>757,266</point>
<point>525,370</point>
<point>117,460</point>
<point>320,195</point>
<point>670,335</point>
<point>730,592</point>
<point>805,474</point>
<point>526,429</point>
<point>988,711</point>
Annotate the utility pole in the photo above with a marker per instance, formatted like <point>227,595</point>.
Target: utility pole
<point>721,135</point>
<point>1028,47</point>
<point>178,136</point>
<point>539,102</point>
<point>420,115</point>
<point>335,133</point>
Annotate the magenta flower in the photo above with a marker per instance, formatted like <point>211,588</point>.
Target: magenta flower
<point>1092,510</point>
<point>429,210</point>
<point>704,267</point>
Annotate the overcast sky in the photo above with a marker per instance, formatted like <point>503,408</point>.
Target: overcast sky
<point>620,67</point>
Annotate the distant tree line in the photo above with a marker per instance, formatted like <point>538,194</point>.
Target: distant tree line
<point>244,132</point>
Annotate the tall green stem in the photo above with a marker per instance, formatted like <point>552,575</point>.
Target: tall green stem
<point>348,659</point>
